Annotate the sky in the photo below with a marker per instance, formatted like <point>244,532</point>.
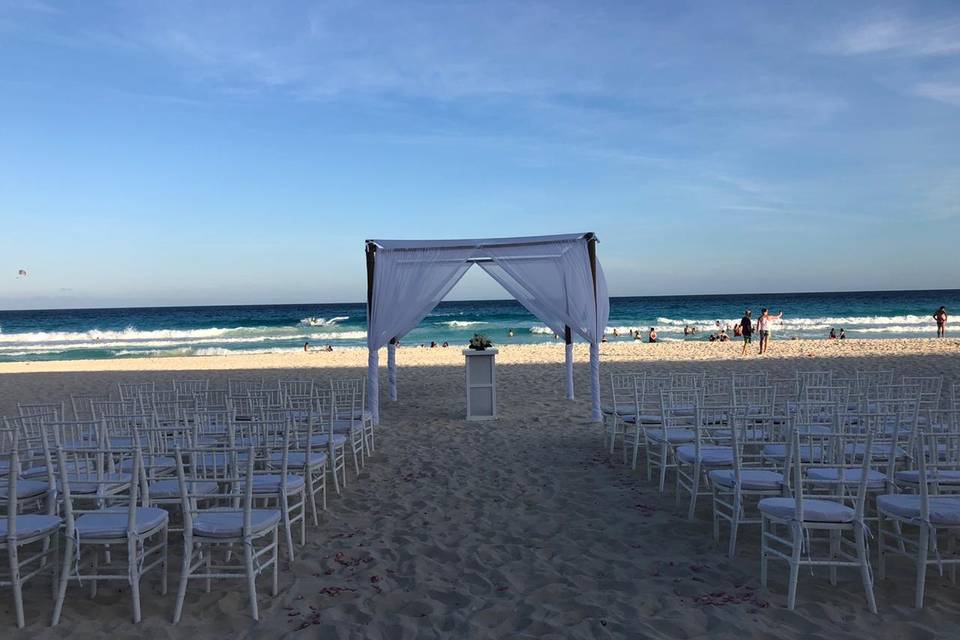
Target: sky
<point>156,153</point>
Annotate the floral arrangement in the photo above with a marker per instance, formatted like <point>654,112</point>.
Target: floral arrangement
<point>480,342</point>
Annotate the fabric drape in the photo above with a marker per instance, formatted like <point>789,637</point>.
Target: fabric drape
<point>407,285</point>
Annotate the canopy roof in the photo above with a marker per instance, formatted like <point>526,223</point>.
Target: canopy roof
<point>478,242</point>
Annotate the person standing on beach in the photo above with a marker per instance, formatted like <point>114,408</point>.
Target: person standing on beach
<point>763,326</point>
<point>746,330</point>
<point>941,317</point>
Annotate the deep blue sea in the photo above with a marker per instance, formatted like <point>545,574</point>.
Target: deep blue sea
<point>183,331</point>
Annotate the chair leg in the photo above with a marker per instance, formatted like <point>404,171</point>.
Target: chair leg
<point>64,577</point>
<point>333,467</point>
<point>288,534</point>
<point>276,563</point>
<point>881,553</point>
<point>797,539</point>
<point>251,576</point>
<point>15,581</point>
<point>313,496</point>
<point>95,566</point>
<point>663,468</point>
<point>164,561</point>
<point>735,524</point>
<point>134,571</point>
<point>184,577</point>
<point>834,554</point>
<point>865,567</point>
<point>763,551</point>
<point>922,550</point>
<point>695,489</point>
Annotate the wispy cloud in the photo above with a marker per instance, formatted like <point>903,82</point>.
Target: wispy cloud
<point>897,36</point>
<point>940,91</point>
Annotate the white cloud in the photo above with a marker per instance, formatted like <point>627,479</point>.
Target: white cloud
<point>897,36</point>
<point>940,91</point>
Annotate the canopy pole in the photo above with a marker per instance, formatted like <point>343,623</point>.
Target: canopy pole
<point>568,349</point>
<point>596,415</point>
<point>373,355</point>
<point>392,369</point>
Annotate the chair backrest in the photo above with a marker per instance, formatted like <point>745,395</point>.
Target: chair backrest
<point>345,403</point>
<point>190,387</point>
<point>681,407</point>
<point>106,408</point>
<point>841,454</point>
<point>955,396</point>
<point>930,389</point>
<point>133,390</point>
<point>95,469</point>
<point>229,469</point>
<point>81,405</point>
<point>687,380</point>
<point>54,409</point>
<point>936,454</point>
<point>806,379</point>
<point>295,387</point>
<point>717,391</point>
<point>867,378</point>
<point>75,434</point>
<point>243,387</point>
<point>622,386</point>
<point>750,379</point>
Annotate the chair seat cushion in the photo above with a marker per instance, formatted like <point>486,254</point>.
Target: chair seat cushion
<point>944,510</point>
<point>752,435</point>
<point>228,523</point>
<point>346,426</point>
<point>26,489</point>
<point>750,479</point>
<point>815,429</point>
<point>673,436</point>
<point>30,525</point>
<point>942,476</point>
<point>714,456</point>
<point>297,459</point>
<point>879,451</point>
<point>159,463</point>
<point>112,522</point>
<point>323,440</point>
<point>111,482</point>
<point>622,408</point>
<point>779,452</point>
<point>41,471</point>
<point>170,488</point>
<point>832,475</point>
<point>271,482</point>
<point>645,418</point>
<point>813,510</point>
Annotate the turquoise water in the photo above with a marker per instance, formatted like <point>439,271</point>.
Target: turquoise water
<point>182,331</point>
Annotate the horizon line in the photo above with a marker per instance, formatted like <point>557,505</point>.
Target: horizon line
<point>361,302</point>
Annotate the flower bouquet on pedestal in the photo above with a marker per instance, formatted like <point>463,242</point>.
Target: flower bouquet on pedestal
<point>480,342</point>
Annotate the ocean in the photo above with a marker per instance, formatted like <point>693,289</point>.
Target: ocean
<point>72,334</point>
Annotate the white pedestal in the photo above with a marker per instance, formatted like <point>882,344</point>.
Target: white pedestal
<point>481,384</point>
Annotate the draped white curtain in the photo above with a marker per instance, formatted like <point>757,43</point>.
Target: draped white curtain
<point>407,285</point>
<point>555,282</point>
<point>551,277</point>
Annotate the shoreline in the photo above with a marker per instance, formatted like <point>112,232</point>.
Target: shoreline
<point>548,352</point>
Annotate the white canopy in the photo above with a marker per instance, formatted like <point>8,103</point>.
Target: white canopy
<point>557,278</point>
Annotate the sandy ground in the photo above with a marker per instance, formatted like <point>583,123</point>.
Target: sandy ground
<point>518,528</point>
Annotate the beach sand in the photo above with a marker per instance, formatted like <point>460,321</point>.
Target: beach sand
<point>521,527</point>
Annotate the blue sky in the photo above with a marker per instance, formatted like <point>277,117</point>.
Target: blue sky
<point>229,152</point>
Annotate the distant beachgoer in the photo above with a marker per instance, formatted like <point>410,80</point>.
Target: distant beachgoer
<point>833,334</point>
<point>763,326</point>
<point>652,336</point>
<point>603,338</point>
<point>306,347</point>
<point>329,347</point>
<point>941,317</point>
<point>433,344</point>
<point>746,330</point>
<point>510,333</point>
<point>615,334</point>
<point>446,344</point>
<point>843,334</point>
<point>637,336</point>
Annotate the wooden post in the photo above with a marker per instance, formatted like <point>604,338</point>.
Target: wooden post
<point>373,384</point>
<point>594,348</point>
